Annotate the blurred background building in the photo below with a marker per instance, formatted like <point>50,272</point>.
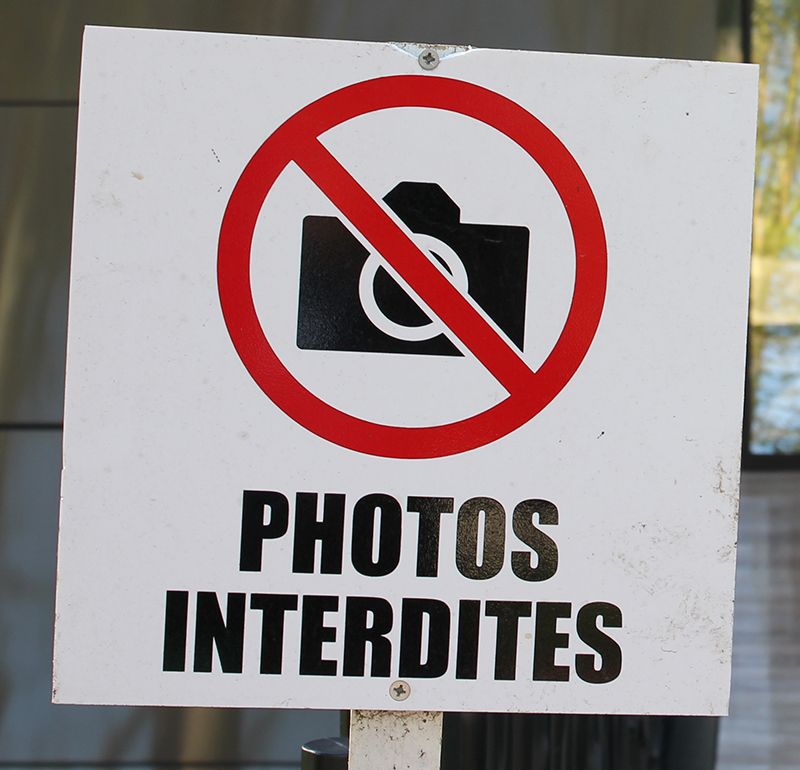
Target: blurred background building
<point>39,66</point>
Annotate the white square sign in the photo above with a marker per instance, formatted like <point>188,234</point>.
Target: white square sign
<point>403,378</point>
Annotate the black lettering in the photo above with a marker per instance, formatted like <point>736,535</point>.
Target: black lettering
<point>508,615</point>
<point>430,510</point>
<point>313,634</point>
<point>494,538</point>
<point>273,615</point>
<point>547,640</point>
<point>307,530</point>
<point>532,536</point>
<point>364,515</point>
<point>609,651</point>
<point>411,663</point>
<point>227,635</point>
<point>357,633</point>
<point>175,621</point>
<point>469,619</point>
<point>254,531</point>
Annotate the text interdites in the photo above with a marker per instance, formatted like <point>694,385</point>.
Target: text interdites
<point>434,636</point>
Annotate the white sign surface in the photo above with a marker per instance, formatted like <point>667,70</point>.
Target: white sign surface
<point>403,388</point>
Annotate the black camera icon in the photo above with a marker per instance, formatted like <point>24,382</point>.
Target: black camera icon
<point>349,302</point>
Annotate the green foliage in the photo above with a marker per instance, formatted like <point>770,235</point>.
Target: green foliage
<point>774,373</point>
<point>776,47</point>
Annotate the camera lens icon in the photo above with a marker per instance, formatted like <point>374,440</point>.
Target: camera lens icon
<point>349,301</point>
<point>441,253</point>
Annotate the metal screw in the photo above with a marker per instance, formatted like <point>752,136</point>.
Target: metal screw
<point>400,690</point>
<point>429,59</point>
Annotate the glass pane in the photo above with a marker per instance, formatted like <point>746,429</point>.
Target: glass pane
<point>37,166</point>
<point>774,369</point>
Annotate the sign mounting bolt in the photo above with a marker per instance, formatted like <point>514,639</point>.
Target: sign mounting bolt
<point>429,59</point>
<point>400,690</point>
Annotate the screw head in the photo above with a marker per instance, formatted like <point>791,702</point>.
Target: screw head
<point>400,690</point>
<point>429,59</point>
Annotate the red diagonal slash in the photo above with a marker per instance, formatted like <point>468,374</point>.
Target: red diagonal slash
<point>297,140</point>
<point>416,269</point>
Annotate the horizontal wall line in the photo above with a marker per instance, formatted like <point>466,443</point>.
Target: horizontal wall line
<point>38,102</point>
<point>152,763</point>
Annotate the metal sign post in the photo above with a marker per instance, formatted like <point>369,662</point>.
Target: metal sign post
<point>402,380</point>
<point>395,740</point>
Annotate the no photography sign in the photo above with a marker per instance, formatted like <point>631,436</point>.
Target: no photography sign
<point>395,386</point>
<point>529,391</point>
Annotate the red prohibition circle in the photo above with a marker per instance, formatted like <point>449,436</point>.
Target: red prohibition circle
<point>297,140</point>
